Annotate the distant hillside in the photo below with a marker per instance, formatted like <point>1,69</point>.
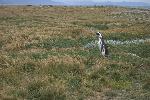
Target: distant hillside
<point>74,3</point>
<point>125,3</point>
<point>31,2</point>
<point>109,3</point>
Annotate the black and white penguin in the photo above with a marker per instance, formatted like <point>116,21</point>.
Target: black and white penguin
<point>101,44</point>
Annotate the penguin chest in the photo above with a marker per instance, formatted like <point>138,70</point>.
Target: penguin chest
<point>100,44</point>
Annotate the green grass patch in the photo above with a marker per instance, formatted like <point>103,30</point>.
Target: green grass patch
<point>39,55</point>
<point>28,67</point>
<point>141,49</point>
<point>125,36</point>
<point>74,83</point>
<point>98,26</point>
<point>57,43</point>
<point>35,91</point>
<point>61,43</point>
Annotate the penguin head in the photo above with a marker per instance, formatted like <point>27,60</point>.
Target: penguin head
<point>99,34</point>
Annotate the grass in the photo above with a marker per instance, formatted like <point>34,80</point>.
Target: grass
<point>42,54</point>
<point>126,36</point>
<point>98,26</point>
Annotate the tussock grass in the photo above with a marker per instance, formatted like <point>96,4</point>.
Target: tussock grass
<point>42,54</point>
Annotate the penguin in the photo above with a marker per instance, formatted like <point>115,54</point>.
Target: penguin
<point>101,44</point>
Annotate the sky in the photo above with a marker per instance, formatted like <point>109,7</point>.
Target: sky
<point>63,1</point>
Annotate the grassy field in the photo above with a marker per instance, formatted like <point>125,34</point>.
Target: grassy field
<point>42,54</point>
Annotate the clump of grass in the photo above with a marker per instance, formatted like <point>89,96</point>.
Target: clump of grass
<point>77,33</point>
<point>147,86</point>
<point>63,70</point>
<point>40,55</point>
<point>57,43</point>
<point>8,80</point>
<point>120,36</point>
<point>74,83</point>
<point>52,95</point>
<point>1,44</point>
<point>121,85</point>
<point>5,62</point>
<point>37,90</point>
<point>13,55</point>
<point>110,94</point>
<point>141,49</point>
<point>98,26</point>
<point>28,67</point>
<point>34,90</point>
<point>90,61</point>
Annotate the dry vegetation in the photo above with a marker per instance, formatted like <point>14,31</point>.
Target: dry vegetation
<point>42,55</point>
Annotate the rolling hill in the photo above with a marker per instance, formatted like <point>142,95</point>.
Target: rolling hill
<point>73,3</point>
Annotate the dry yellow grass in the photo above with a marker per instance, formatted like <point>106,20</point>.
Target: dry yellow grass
<point>42,54</point>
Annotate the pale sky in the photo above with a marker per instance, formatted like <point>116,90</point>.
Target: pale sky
<point>63,1</point>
